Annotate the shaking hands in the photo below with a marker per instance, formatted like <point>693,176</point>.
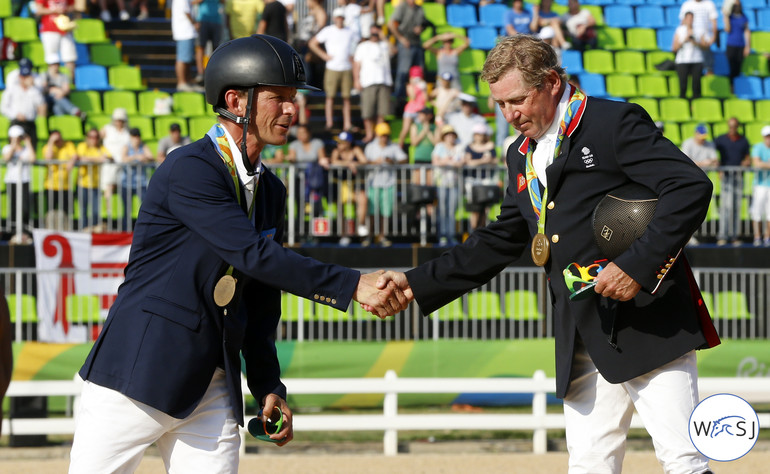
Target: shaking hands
<point>383,293</point>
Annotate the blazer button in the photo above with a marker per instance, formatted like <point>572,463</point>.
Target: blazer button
<point>551,205</point>
<point>663,271</point>
<point>328,300</point>
<point>334,301</point>
<point>315,297</point>
<point>659,277</point>
<point>555,238</point>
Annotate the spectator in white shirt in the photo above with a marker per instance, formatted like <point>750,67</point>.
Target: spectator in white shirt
<point>371,76</point>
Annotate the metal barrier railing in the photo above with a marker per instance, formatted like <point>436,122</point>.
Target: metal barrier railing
<point>513,305</point>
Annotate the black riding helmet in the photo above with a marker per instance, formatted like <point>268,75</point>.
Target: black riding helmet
<point>248,62</point>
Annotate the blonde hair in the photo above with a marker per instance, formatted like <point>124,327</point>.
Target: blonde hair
<point>532,57</point>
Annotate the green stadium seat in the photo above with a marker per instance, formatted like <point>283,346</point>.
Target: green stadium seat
<point>97,121</point>
<point>649,104</point>
<point>610,38</point>
<point>189,104</point>
<point>126,77</point>
<point>730,305</point>
<point>6,9</point>
<point>87,101</point>
<point>741,109</point>
<point>596,11</point>
<point>754,130</point>
<point>434,13</point>
<point>41,123</point>
<point>471,61</point>
<point>653,85</point>
<point>675,109</point>
<point>761,108</point>
<point>120,98</point>
<point>22,308</point>
<point>146,100</point>
<point>468,84</point>
<point>760,41</point>
<point>20,30</point>
<point>715,86</point>
<point>33,50</point>
<point>654,58</point>
<point>90,30</point>
<point>521,305</point>
<point>707,109</point>
<point>163,123</point>
<point>621,85</point>
<point>451,311</point>
<point>200,125</point>
<point>755,65</point>
<point>70,126</point>
<point>641,39</point>
<point>484,305</point>
<point>105,54</point>
<point>83,308</point>
<point>328,314</point>
<point>671,131</point>
<point>598,61</point>
<point>630,62</point>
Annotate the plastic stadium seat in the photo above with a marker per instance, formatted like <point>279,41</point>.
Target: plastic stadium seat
<point>106,54</point>
<point>675,109</point>
<point>521,305</point>
<point>189,104</point>
<point>5,11</point>
<point>653,58</point>
<point>716,86</point>
<point>41,123</point>
<point>24,306</point>
<point>610,38</point>
<point>754,131</point>
<point>461,14</point>
<point>650,16</point>
<point>2,79</point>
<point>327,313</point>
<point>451,311</point>
<point>731,305</point>
<point>84,55</point>
<point>741,109</point>
<point>763,19</point>
<point>91,76</point>
<point>671,131</point>
<point>621,85</point>
<point>125,99</point>
<point>90,30</point>
<point>592,84</point>
<point>596,11</point>
<point>706,109</point>
<point>468,84</point>
<point>598,61</point>
<point>652,85</point>
<point>97,121</point>
<point>144,124</point>
<point>146,101</point>
<point>83,308</point>
<point>572,61</point>
<point>163,123</point>
<point>630,62</point>
<point>493,15</point>
<point>619,16</point>
<point>760,41</point>
<point>642,39</point>
<point>766,86</point>
<point>484,305</point>
<point>755,65</point>
<point>20,29</point>
<point>126,77</point>
<point>720,66</point>
<point>754,4</point>
<point>748,87</point>
<point>33,51</point>
<point>482,37</point>
<point>70,126</point>
<point>200,125</point>
<point>471,60</point>
<point>665,38</point>
<point>434,13</point>
<point>648,104</point>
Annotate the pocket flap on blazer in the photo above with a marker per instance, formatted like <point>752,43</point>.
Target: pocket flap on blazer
<point>173,312</point>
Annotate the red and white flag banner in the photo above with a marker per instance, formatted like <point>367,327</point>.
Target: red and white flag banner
<point>78,276</point>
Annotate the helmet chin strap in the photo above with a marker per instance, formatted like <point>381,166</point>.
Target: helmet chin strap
<point>245,121</point>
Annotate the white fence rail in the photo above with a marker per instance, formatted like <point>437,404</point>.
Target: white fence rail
<point>753,390</point>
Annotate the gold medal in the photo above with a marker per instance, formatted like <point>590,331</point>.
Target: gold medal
<point>541,249</point>
<point>224,290</point>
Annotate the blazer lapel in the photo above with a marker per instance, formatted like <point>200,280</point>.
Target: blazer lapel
<point>556,169</point>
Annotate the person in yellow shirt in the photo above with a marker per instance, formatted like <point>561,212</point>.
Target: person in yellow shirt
<point>57,181</point>
<point>241,16</point>
<point>90,154</point>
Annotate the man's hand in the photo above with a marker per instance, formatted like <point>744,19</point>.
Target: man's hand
<point>286,433</point>
<point>612,282</point>
<point>380,295</point>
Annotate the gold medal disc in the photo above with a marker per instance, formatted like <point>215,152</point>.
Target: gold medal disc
<point>224,290</point>
<point>541,249</point>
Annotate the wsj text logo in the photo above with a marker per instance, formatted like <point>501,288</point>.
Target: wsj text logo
<point>724,427</point>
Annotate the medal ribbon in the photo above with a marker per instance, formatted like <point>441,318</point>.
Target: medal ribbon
<point>575,105</point>
<point>218,136</point>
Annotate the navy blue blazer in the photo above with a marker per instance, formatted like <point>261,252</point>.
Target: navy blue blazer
<point>164,335</point>
<point>610,145</point>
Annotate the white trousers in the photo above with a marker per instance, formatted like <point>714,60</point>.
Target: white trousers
<point>112,432</point>
<point>598,415</point>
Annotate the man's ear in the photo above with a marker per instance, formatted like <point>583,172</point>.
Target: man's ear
<point>235,102</point>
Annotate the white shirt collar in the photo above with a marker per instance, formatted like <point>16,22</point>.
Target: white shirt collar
<point>553,131</point>
<point>248,181</point>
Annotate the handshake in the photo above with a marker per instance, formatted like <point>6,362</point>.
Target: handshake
<point>383,293</point>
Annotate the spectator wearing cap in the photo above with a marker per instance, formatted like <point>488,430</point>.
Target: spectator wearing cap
<point>23,102</point>
<point>371,76</point>
<point>480,160</point>
<point>137,160</point>
<point>445,97</point>
<point>699,149</point>
<point>18,155</point>
<point>406,24</point>
<point>447,158</point>
<point>171,142</point>
<point>447,55</point>
<point>338,48</point>
<point>464,120</point>
<point>381,182</point>
<point>417,94</point>
<point>56,32</point>
<point>760,209</point>
<point>351,157</point>
<point>61,156</point>
<point>115,138</point>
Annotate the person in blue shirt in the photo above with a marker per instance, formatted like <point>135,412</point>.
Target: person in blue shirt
<point>519,20</point>
<point>738,36</point>
<point>209,22</point>
<point>760,209</point>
